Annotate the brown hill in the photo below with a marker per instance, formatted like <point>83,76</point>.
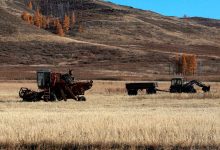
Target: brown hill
<point>117,43</point>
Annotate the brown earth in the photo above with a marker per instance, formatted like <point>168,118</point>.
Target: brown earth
<point>117,43</point>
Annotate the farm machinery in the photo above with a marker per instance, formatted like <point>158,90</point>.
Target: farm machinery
<point>178,85</point>
<point>56,86</point>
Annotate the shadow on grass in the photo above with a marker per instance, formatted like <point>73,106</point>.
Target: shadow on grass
<point>50,145</point>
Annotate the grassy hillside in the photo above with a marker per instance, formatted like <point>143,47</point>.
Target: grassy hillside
<point>117,43</point>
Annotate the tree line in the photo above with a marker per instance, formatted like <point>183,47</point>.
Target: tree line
<point>57,25</point>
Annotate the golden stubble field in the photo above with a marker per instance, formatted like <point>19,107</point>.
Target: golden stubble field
<point>111,119</point>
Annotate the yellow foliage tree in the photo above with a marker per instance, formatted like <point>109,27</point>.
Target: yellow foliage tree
<point>29,5</point>
<point>30,19</point>
<point>44,22</point>
<point>66,23</point>
<point>26,17</point>
<point>59,28</point>
<point>188,70</point>
<point>194,64</point>
<point>37,18</point>
<point>187,65</point>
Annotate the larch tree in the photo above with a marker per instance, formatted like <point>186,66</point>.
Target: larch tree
<point>26,17</point>
<point>44,22</point>
<point>48,20</point>
<point>191,64</point>
<point>37,18</point>
<point>194,64</point>
<point>30,19</point>
<point>29,5</point>
<point>66,23</point>
<point>59,28</point>
<point>54,23</point>
<point>188,64</point>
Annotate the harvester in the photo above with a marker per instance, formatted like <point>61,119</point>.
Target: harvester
<point>56,86</point>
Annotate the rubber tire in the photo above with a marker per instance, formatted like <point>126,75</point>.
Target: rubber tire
<point>132,92</point>
<point>151,91</point>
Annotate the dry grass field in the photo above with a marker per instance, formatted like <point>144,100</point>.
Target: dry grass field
<point>111,119</point>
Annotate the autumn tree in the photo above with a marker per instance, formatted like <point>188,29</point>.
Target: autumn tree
<point>48,20</point>
<point>53,23</point>
<point>45,22</point>
<point>30,19</point>
<point>29,5</point>
<point>186,64</point>
<point>66,23</point>
<point>59,28</point>
<point>188,70</point>
<point>37,18</point>
<point>26,17</point>
<point>193,64</point>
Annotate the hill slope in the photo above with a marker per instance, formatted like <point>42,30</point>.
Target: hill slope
<point>117,43</point>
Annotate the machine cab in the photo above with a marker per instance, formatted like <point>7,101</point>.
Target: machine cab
<point>43,79</point>
<point>176,85</point>
<point>177,81</point>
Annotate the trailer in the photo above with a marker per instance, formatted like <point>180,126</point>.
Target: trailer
<point>133,88</point>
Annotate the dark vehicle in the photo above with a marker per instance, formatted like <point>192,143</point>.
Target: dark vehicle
<point>179,85</point>
<point>133,88</point>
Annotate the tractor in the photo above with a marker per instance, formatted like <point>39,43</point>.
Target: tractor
<point>179,85</point>
<point>56,86</point>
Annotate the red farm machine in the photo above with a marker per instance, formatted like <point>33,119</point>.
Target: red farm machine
<point>56,86</point>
